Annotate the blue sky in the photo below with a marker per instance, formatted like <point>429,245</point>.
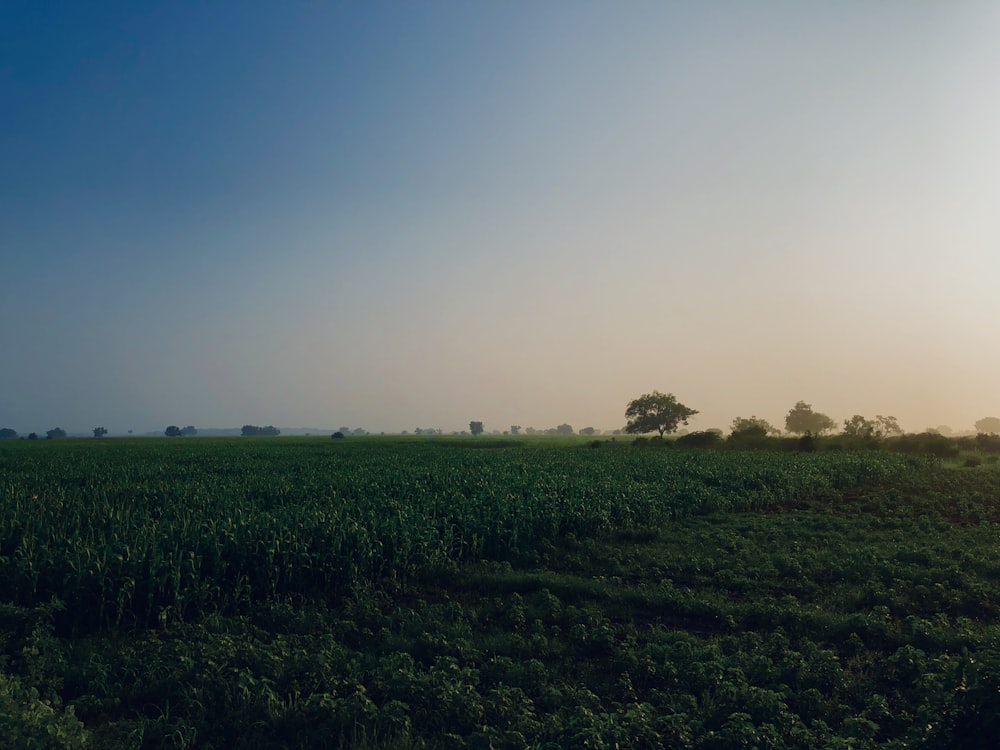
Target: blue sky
<point>417,214</point>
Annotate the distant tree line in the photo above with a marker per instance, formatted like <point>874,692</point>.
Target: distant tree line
<point>250,430</point>
<point>7,433</point>
<point>175,431</point>
<point>651,413</point>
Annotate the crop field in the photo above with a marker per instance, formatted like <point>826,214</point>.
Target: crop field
<point>477,593</point>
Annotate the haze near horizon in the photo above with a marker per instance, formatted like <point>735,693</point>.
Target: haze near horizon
<point>415,215</point>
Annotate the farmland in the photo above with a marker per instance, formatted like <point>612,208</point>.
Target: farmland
<point>475,593</point>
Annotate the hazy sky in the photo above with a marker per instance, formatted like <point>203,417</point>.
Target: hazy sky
<point>415,214</point>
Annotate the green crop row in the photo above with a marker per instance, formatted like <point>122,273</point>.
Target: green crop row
<point>145,532</point>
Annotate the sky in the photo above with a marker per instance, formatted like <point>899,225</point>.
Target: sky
<point>417,214</point>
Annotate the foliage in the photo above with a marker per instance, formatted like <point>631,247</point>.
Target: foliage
<point>988,443</point>
<point>988,425</point>
<point>28,721</point>
<point>250,430</point>
<point>173,431</point>
<point>802,420</point>
<point>700,439</point>
<point>189,431</point>
<point>435,594</point>
<point>56,432</point>
<point>858,427</point>
<point>927,444</point>
<point>656,412</point>
<point>878,428</point>
<point>751,427</point>
<point>476,428</point>
<point>100,432</point>
<point>338,435</point>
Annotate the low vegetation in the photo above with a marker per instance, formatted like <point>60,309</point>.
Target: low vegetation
<point>416,593</point>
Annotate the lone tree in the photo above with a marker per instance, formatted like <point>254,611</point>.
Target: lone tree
<point>988,426</point>
<point>55,432</point>
<point>656,412</point>
<point>802,420</point>
<point>476,428</point>
<point>100,432</point>
<point>8,433</point>
<point>173,431</point>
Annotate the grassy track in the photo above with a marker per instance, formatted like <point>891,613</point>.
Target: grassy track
<point>227,593</point>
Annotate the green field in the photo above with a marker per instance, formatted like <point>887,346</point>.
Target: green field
<point>300,592</point>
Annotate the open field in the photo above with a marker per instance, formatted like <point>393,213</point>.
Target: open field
<point>507,593</point>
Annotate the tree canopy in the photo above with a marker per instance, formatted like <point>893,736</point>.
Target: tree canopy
<point>859,427</point>
<point>476,428</point>
<point>252,430</point>
<point>802,420</point>
<point>752,427</point>
<point>656,412</point>
<point>988,425</point>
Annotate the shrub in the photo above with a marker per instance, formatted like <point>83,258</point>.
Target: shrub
<point>988,443</point>
<point>926,444</point>
<point>700,439</point>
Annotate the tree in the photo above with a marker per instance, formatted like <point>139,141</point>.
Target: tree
<point>476,428</point>
<point>588,431</point>
<point>8,434</point>
<point>189,431</point>
<point>515,429</point>
<point>172,431</point>
<point>56,432</point>
<point>251,430</point>
<point>752,427</point>
<point>988,426</point>
<point>802,420</point>
<point>32,436</point>
<point>100,432</point>
<point>858,427</point>
<point>887,426</point>
<point>656,412</point>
